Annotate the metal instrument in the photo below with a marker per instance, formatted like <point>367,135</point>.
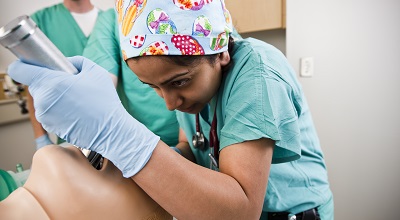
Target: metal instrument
<point>26,41</point>
<point>199,140</point>
<point>23,38</point>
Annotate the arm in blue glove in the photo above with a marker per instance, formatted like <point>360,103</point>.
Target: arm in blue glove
<point>85,110</point>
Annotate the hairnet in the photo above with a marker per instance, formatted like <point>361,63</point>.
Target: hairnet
<point>173,27</point>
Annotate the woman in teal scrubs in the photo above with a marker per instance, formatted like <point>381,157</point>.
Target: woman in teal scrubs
<point>261,157</point>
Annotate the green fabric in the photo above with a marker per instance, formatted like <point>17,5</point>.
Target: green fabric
<point>57,23</point>
<point>261,98</point>
<point>141,101</point>
<point>7,184</point>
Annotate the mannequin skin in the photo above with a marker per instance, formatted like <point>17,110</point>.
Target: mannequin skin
<point>64,185</point>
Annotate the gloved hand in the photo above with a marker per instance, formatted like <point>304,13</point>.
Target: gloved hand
<point>85,110</point>
<point>43,141</point>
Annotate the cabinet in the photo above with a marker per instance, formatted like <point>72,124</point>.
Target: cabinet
<point>10,112</point>
<point>257,15</point>
<point>11,102</point>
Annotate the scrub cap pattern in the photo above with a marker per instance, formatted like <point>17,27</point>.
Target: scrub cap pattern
<point>173,27</point>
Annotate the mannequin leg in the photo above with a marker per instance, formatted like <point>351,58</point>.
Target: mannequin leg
<point>20,204</point>
<point>66,186</point>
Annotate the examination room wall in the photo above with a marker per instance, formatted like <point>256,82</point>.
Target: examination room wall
<point>354,96</point>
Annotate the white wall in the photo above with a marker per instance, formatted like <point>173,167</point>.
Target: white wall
<point>16,139</point>
<point>354,97</point>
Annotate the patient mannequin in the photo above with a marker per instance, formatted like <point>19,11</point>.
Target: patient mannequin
<point>64,185</point>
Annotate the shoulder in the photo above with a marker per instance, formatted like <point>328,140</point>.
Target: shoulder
<point>108,14</point>
<point>256,50</point>
<point>106,21</point>
<point>47,11</point>
<point>256,59</point>
<point>257,73</point>
<point>250,59</point>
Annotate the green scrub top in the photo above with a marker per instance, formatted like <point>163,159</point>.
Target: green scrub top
<point>141,101</point>
<point>57,23</point>
<point>261,98</point>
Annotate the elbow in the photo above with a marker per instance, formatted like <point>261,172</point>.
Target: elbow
<point>245,208</point>
<point>251,212</point>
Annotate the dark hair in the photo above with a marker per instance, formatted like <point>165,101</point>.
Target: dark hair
<point>194,60</point>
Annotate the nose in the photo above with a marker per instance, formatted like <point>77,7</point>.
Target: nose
<point>172,99</point>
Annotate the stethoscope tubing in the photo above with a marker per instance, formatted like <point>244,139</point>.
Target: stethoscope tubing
<point>199,140</point>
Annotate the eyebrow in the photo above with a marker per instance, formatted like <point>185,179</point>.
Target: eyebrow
<point>168,80</point>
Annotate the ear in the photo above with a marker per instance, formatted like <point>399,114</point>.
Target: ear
<point>224,58</point>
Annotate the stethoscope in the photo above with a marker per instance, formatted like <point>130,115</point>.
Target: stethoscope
<point>198,141</point>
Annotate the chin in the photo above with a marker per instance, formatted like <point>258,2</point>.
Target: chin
<point>194,109</point>
<point>189,111</point>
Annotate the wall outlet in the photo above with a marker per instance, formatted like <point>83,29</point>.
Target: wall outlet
<point>307,67</point>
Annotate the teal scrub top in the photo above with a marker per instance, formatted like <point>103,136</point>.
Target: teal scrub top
<point>141,101</point>
<point>261,98</point>
<point>57,23</point>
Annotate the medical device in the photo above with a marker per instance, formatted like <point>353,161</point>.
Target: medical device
<point>199,141</point>
<point>23,38</point>
<point>26,41</point>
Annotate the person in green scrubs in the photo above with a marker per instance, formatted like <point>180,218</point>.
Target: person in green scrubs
<point>260,157</point>
<point>138,99</point>
<point>249,90</point>
<point>68,26</point>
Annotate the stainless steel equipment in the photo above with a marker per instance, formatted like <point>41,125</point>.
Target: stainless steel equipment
<point>23,38</point>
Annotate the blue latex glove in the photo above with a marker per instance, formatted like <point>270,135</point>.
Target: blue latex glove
<point>85,110</point>
<point>43,141</point>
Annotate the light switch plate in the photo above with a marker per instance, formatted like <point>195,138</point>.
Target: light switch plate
<point>307,67</point>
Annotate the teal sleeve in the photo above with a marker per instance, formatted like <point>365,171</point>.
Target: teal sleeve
<point>103,45</point>
<point>236,35</point>
<point>57,23</point>
<point>259,105</point>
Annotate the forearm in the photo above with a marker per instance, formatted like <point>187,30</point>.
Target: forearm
<point>186,152</point>
<point>184,147</point>
<point>189,191</point>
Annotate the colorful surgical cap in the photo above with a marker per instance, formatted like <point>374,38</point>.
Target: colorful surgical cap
<point>173,27</point>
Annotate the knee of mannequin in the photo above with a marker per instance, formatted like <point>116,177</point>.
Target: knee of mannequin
<point>53,158</point>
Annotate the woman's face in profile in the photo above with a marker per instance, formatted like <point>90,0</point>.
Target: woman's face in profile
<point>184,88</point>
